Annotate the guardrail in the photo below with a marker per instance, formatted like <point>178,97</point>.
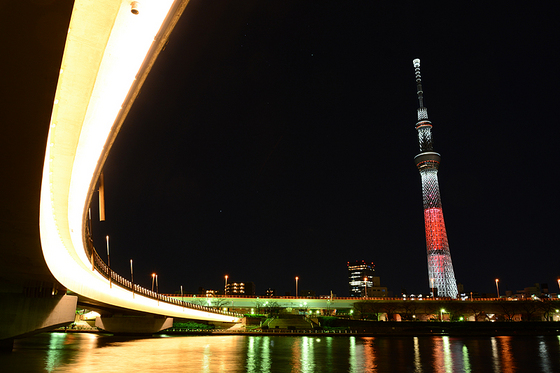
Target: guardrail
<point>356,299</point>
<point>116,279</point>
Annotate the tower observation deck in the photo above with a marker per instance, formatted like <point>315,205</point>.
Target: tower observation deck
<point>440,269</point>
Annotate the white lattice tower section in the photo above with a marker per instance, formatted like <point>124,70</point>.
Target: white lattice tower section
<point>440,268</point>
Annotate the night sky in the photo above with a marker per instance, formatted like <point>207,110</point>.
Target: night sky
<point>276,139</point>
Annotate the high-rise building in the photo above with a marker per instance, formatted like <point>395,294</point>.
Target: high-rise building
<point>440,269</point>
<point>360,277</point>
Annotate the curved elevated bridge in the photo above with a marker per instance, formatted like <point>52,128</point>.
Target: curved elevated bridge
<point>97,55</point>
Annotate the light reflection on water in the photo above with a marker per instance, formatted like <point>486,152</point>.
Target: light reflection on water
<point>417,361</point>
<point>544,358</point>
<point>506,355</point>
<point>495,356</point>
<point>466,361</point>
<point>60,352</point>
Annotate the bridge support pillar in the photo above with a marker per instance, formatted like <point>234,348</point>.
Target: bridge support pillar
<point>122,324</point>
<point>22,315</point>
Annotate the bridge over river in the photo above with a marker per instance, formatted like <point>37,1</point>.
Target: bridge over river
<point>72,74</point>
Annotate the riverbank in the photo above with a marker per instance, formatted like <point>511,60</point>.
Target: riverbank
<point>373,329</point>
<point>405,329</point>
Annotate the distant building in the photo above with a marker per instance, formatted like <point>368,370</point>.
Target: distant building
<point>240,288</point>
<point>270,292</point>
<point>211,293</point>
<point>539,290</point>
<point>362,282</point>
<point>359,274</point>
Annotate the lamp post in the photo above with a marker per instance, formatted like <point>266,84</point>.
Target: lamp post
<point>132,278</point>
<point>153,279</point>
<point>365,287</point>
<point>441,314</point>
<point>182,299</point>
<point>109,263</point>
<point>497,288</point>
<point>297,278</point>
<point>225,287</point>
<point>157,291</point>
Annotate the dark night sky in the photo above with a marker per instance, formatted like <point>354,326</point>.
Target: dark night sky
<point>276,139</point>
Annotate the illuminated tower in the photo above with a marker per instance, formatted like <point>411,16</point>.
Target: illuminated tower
<point>440,268</point>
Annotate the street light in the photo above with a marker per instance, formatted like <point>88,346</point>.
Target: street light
<point>441,314</point>
<point>225,288</point>
<point>297,278</point>
<point>153,279</point>
<point>365,287</point>
<point>132,278</point>
<point>109,263</point>
<point>498,288</point>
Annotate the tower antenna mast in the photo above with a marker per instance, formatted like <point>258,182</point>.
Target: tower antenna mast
<point>441,277</point>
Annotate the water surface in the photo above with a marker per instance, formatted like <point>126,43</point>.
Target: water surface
<point>61,352</point>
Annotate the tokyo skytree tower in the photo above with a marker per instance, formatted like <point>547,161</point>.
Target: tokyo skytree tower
<point>440,269</point>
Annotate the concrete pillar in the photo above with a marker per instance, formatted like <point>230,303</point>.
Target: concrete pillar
<point>22,315</point>
<point>122,324</point>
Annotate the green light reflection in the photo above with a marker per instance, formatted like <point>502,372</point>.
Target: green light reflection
<point>55,352</point>
<point>265,358</point>
<point>307,361</point>
<point>466,360</point>
<point>448,361</point>
<point>352,355</point>
<point>251,361</point>
<point>329,342</point>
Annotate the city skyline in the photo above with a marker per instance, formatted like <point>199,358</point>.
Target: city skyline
<point>276,141</point>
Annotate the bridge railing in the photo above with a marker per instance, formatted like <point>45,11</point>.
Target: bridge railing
<point>356,299</point>
<point>116,279</point>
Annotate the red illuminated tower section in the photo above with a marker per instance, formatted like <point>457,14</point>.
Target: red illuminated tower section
<point>440,269</point>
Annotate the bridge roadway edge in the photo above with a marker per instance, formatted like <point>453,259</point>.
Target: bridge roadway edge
<point>26,282</point>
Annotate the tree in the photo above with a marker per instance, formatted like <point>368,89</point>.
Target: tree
<point>477,310</point>
<point>367,309</point>
<point>409,308</point>
<point>529,309</point>
<point>218,302</point>
<point>431,309</point>
<point>455,309</point>
<point>198,301</point>
<point>509,309</point>
<point>390,309</point>
<point>272,308</point>
<point>547,308</point>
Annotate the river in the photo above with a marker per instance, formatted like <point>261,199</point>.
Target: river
<point>84,352</point>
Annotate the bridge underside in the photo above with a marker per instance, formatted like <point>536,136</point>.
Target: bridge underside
<point>35,36</point>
